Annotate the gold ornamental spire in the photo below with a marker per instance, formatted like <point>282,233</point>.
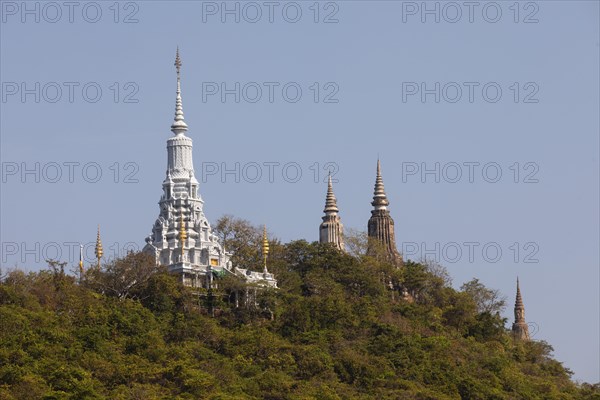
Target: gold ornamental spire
<point>80,261</point>
<point>98,251</point>
<point>265,248</point>
<point>182,234</point>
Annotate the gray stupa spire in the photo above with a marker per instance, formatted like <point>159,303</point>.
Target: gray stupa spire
<point>380,201</point>
<point>331,229</point>
<point>330,200</point>
<point>520,328</point>
<point>382,238</point>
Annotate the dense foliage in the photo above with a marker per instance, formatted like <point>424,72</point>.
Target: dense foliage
<point>334,330</point>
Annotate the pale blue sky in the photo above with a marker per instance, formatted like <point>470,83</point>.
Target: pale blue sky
<point>364,61</point>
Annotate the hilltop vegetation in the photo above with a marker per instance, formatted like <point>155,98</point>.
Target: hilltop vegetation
<point>334,330</point>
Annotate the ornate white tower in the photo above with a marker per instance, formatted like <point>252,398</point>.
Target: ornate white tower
<point>181,237</point>
<point>331,229</point>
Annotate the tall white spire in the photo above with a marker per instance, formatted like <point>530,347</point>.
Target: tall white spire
<point>179,126</point>
<point>179,146</point>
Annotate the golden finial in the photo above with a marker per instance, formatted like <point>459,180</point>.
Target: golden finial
<point>99,252</point>
<point>80,261</point>
<point>182,234</point>
<point>265,248</point>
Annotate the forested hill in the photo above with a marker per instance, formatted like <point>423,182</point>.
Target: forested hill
<point>334,330</point>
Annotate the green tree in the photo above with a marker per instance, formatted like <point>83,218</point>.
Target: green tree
<point>241,238</point>
<point>123,277</point>
<point>334,331</point>
<point>487,300</point>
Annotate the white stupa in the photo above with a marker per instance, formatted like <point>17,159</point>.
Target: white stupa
<point>181,237</point>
